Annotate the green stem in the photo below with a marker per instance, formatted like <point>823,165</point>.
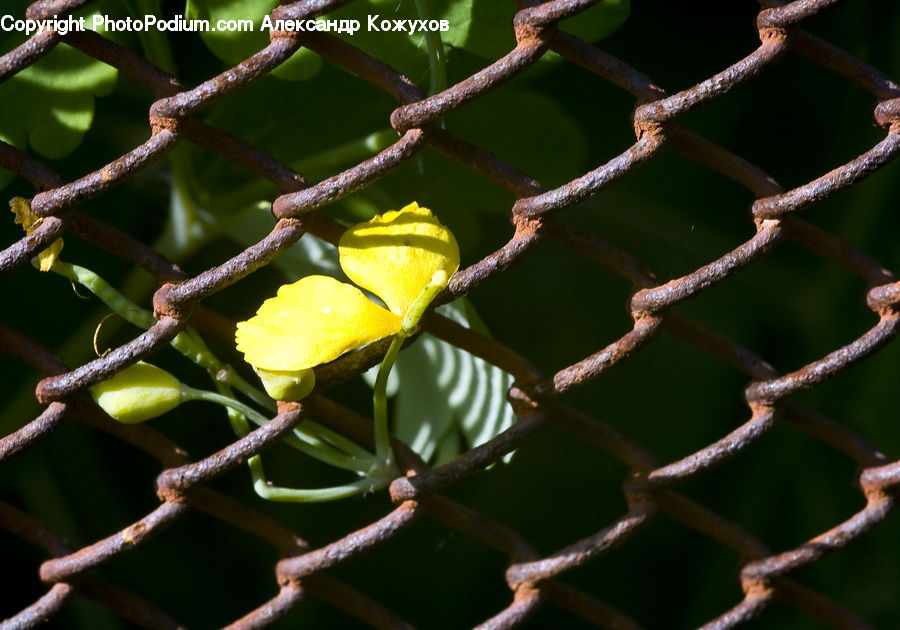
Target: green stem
<point>185,228</point>
<point>415,312</point>
<point>276,493</point>
<point>315,446</point>
<point>239,423</point>
<point>411,318</point>
<point>188,226</point>
<point>379,403</point>
<point>187,342</point>
<point>267,491</point>
<point>228,375</point>
<point>309,438</point>
<point>307,444</point>
<point>338,440</point>
<point>108,295</point>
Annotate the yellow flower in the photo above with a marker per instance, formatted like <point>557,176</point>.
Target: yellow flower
<point>396,254</point>
<point>315,320</point>
<point>30,222</point>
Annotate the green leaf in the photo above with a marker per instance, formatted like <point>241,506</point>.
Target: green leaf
<point>50,104</point>
<point>484,27</point>
<point>343,125</point>
<point>408,54</point>
<point>598,22</point>
<point>422,413</point>
<point>233,47</point>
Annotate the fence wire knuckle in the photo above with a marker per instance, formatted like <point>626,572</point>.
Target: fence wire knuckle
<point>534,578</point>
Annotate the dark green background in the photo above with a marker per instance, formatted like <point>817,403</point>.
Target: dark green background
<point>796,121</point>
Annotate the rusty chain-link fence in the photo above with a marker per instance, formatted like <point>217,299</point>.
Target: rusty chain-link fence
<point>535,578</point>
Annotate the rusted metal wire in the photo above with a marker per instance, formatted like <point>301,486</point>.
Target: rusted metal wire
<point>534,579</point>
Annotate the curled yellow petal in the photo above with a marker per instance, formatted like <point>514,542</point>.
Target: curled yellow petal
<point>310,322</point>
<point>24,216</point>
<point>396,254</point>
<point>30,222</point>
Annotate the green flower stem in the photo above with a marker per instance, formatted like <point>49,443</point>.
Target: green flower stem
<point>228,375</point>
<point>338,440</point>
<point>275,493</point>
<point>309,438</point>
<point>411,318</point>
<point>187,342</point>
<point>303,436</point>
<point>265,490</point>
<point>188,226</point>
<point>308,444</point>
<point>102,289</point>
<point>415,312</point>
<point>383,451</point>
<point>239,423</point>
<point>238,414</point>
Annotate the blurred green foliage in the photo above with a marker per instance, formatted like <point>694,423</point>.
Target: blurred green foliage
<point>556,121</point>
<point>50,105</point>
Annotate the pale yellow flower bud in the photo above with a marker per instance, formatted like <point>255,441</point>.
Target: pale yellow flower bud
<point>137,393</point>
<point>289,386</point>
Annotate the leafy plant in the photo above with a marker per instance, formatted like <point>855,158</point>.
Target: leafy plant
<point>445,398</point>
<point>50,104</point>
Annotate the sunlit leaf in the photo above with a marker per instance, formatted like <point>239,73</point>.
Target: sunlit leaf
<point>50,104</point>
<point>234,46</point>
<point>484,27</point>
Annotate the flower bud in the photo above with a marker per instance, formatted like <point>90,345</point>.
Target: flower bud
<point>137,393</point>
<point>289,386</point>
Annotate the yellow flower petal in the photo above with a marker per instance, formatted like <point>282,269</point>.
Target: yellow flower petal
<point>310,322</point>
<point>47,257</point>
<point>137,393</point>
<point>30,222</point>
<point>24,216</point>
<point>396,254</point>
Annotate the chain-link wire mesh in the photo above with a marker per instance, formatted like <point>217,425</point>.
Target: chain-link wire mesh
<point>535,579</point>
